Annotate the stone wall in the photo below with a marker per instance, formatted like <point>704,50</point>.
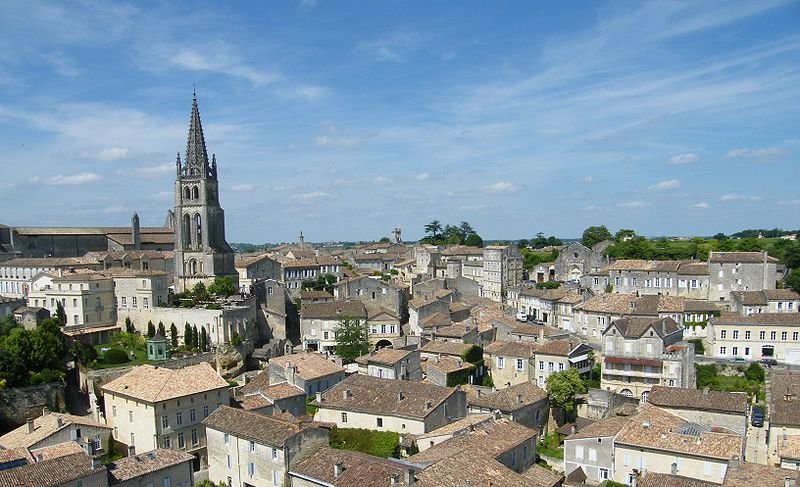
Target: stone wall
<point>17,404</point>
<point>602,404</point>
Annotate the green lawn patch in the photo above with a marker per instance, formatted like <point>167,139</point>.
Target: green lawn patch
<point>748,379</point>
<point>550,446</point>
<point>139,357</point>
<point>383,444</point>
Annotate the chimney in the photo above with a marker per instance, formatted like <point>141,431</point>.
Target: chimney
<point>131,450</point>
<point>45,411</point>
<point>572,429</point>
<point>290,374</point>
<point>30,425</point>
<point>60,421</point>
<point>347,394</point>
<point>519,398</point>
<point>409,476</point>
<point>674,468</point>
<point>706,390</point>
<point>338,469</point>
<point>428,404</point>
<point>394,480</point>
<point>646,424</point>
<point>319,398</point>
<point>733,464</point>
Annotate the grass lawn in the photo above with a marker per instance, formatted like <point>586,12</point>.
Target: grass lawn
<point>550,446</point>
<point>378,443</point>
<point>140,357</point>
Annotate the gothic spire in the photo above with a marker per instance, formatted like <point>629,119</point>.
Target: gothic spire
<point>196,154</point>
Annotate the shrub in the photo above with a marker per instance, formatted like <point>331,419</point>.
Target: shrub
<point>699,348</point>
<point>46,376</point>
<point>548,285</point>
<point>235,339</point>
<point>115,356</point>
<point>383,444</point>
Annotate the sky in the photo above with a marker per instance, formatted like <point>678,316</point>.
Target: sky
<point>346,119</point>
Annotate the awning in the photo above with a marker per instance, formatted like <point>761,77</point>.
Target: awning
<point>579,358</point>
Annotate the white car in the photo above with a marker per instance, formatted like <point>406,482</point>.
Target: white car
<point>522,315</point>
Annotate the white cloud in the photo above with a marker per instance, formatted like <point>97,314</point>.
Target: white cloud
<point>755,154</point>
<point>590,208</point>
<point>243,188</point>
<point>72,179</point>
<point>585,180</point>
<point>665,185</point>
<point>632,204</point>
<point>789,203</point>
<point>472,207</point>
<point>281,188</point>
<point>219,58</point>
<point>394,48</point>
<point>149,172</point>
<point>423,176</point>
<point>328,141</point>
<point>310,196</point>
<point>739,197</point>
<point>502,187</point>
<point>702,205</point>
<point>686,158</point>
<point>383,180</point>
<point>110,154</point>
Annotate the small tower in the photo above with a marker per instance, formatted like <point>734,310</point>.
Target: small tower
<point>396,238</point>
<point>301,242</point>
<point>136,237</point>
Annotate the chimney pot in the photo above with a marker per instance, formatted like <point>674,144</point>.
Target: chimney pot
<point>347,394</point>
<point>30,425</point>
<point>338,468</point>
<point>319,397</point>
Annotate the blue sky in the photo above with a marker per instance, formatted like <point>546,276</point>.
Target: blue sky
<point>345,119</point>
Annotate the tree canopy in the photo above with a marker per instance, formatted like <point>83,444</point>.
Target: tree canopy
<point>352,339</point>
<point>322,283</point>
<point>595,235</point>
<point>30,356</point>
<point>461,234</point>
<point>222,286</point>
<point>562,388</point>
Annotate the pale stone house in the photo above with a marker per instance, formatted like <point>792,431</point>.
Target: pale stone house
<point>155,407</point>
<point>391,364</point>
<point>86,296</point>
<point>420,310</point>
<point>765,301</point>
<point>328,467</point>
<point>311,372</point>
<point>134,289</point>
<point>523,403</point>
<point>384,327</point>
<point>299,270</point>
<point>639,353</point>
<point>554,356</point>
<point>61,465</point>
<point>17,275</point>
<point>660,442</point>
<point>456,428</point>
<point>374,293</point>
<point>719,408</point>
<point>575,260</point>
<point>161,467</point>
<point>760,335</point>
<point>319,321</point>
<point>502,268</point>
<point>783,436</point>
<point>263,397</point>
<point>511,362</point>
<point>247,448</point>
<point>589,452</point>
<point>406,407</point>
<point>253,268</point>
<point>52,428</point>
<point>739,271</point>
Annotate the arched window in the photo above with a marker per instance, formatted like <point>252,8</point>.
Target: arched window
<point>195,193</point>
<point>187,230</point>
<point>187,193</point>
<point>193,267</point>
<point>198,227</point>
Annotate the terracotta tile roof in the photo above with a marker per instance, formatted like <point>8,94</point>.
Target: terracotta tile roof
<point>757,319</point>
<point>516,349</point>
<point>21,455</point>
<point>750,298</point>
<point>456,330</point>
<point>789,447</point>
<point>281,390</point>
<point>51,473</point>
<point>253,401</point>
<point>384,356</point>
<point>493,439</point>
<point>636,327</point>
<point>644,265</point>
<point>653,479</point>
<point>579,425</point>
<point>374,395</point>
<point>45,426</point>
<point>528,329</point>
<point>608,303</point>
<point>691,268</point>
<point>264,430</point>
<point>509,398</point>
<point>464,424</point>
<point>250,259</point>
<point>333,310</point>
<point>560,348</point>
<point>358,469</point>
<point>49,262</point>
<point>752,474</point>
<point>744,257</point>
<point>781,294</point>
<point>153,384</point>
<point>447,364</point>
<point>531,292</point>
<point>601,429</point>
<point>315,295</point>
<point>479,468</point>
<point>543,477</point>
<point>258,382</point>
<point>58,450</point>
<point>309,365</point>
<point>445,348</point>
<point>784,409</point>
<point>703,400</point>
<point>659,430</point>
<point>436,320</point>
<point>145,463</point>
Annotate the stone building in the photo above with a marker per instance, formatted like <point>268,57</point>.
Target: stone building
<point>739,271</point>
<point>374,293</point>
<point>765,301</point>
<point>502,268</point>
<point>52,428</point>
<point>576,260</point>
<point>311,372</point>
<point>719,408</point>
<point>319,321</point>
<point>760,335</point>
<point>201,251</point>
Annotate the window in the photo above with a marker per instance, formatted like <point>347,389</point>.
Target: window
<point>205,411</point>
<point>794,335</point>
<point>672,382</point>
<point>165,441</point>
<point>253,446</point>
<point>735,351</point>
<point>227,439</point>
<point>773,335</point>
<point>747,335</point>
<point>124,302</point>
<point>784,335</point>
<point>133,302</point>
<point>707,469</point>
<point>274,477</point>
<point>550,366</point>
<point>325,335</point>
<point>649,347</point>
<point>130,416</point>
<point>274,453</point>
<point>179,418</point>
<point>604,473</point>
<point>229,464</point>
<point>762,335</point>
<point>592,455</point>
<point>723,334</point>
<point>723,350</point>
<point>501,361</point>
<point>145,303</point>
<point>735,334</point>
<point>379,422</point>
<point>164,422</point>
<point>541,365</point>
<point>579,451</point>
<point>194,436</point>
<point>133,440</point>
<point>181,442</point>
<point>344,417</point>
<point>192,416</point>
<point>167,482</point>
<point>114,411</point>
<point>519,364</point>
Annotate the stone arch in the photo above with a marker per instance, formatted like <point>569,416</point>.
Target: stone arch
<point>187,230</point>
<point>645,396</point>
<point>626,392</point>
<point>187,193</point>
<point>193,266</point>
<point>195,193</point>
<point>198,228</point>
<point>383,344</point>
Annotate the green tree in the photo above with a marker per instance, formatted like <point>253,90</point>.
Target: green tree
<point>474,240</point>
<point>352,339</point>
<point>195,338</point>
<point>793,280</point>
<point>161,329</point>
<point>203,340</point>
<point>200,293</point>
<point>46,349</point>
<point>151,329</point>
<point>595,235</point>
<point>222,286</point>
<point>624,233</point>
<point>562,387</point>
<point>129,328</point>
<point>84,354</point>
<point>434,228</point>
<point>236,340</point>
<point>754,372</point>
<point>173,332</point>
<point>523,243</point>
<point>384,240</point>
<point>7,324</point>
<point>61,315</point>
<point>187,336</point>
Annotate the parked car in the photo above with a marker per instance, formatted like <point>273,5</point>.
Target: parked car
<point>769,362</point>
<point>522,315</point>
<point>757,417</point>
<point>738,360</point>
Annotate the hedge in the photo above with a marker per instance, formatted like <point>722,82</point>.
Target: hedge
<point>383,444</point>
<point>115,356</point>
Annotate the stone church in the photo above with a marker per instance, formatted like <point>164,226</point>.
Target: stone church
<point>201,251</point>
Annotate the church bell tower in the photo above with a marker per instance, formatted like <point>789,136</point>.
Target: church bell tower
<point>201,251</point>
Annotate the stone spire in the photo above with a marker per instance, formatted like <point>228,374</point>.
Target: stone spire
<point>196,155</point>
